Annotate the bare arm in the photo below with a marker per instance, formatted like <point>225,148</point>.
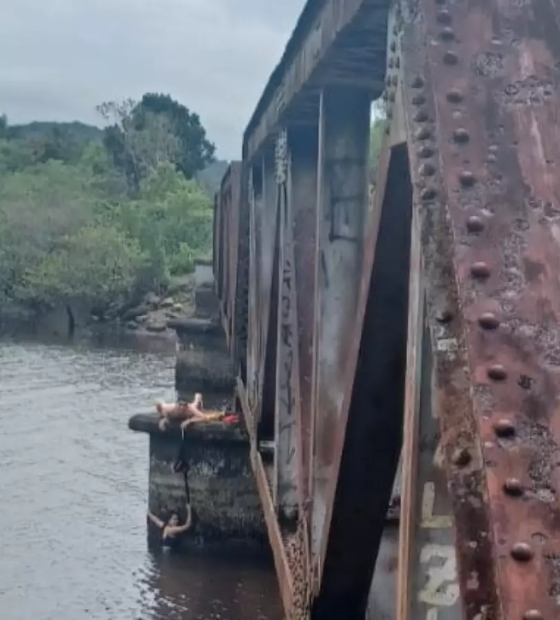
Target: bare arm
<point>179,529</point>
<point>155,520</point>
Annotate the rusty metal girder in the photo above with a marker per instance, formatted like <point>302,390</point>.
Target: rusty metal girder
<point>475,87</point>
<point>314,61</point>
<point>427,575</point>
<point>276,399</point>
<point>368,435</point>
<point>226,247</point>
<point>303,145</point>
<point>481,100</point>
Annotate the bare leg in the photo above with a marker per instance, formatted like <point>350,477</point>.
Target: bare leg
<point>197,402</point>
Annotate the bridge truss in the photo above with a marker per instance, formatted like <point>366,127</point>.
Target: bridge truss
<point>419,321</point>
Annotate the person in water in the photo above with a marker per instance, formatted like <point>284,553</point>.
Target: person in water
<point>187,413</point>
<point>171,531</point>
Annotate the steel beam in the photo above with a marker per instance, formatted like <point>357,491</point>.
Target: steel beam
<point>481,101</point>
<point>427,573</point>
<point>303,145</point>
<point>287,461</point>
<point>311,59</point>
<point>369,430</point>
<point>341,213</point>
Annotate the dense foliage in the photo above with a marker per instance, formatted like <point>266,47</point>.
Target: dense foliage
<point>154,129</point>
<point>73,227</point>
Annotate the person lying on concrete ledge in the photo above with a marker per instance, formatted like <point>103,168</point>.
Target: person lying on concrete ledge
<point>185,412</point>
<point>171,531</point>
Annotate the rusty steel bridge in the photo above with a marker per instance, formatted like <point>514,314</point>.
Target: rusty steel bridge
<point>414,329</point>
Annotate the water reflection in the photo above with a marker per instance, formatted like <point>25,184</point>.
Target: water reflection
<point>73,483</point>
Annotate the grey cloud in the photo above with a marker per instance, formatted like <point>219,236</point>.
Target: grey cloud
<point>60,58</point>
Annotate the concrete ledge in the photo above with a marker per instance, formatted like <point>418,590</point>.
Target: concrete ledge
<point>196,327</point>
<point>206,373</point>
<point>213,432</point>
<point>207,262</point>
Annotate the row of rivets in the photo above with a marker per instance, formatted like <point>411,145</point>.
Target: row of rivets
<point>393,62</point>
<point>521,552</point>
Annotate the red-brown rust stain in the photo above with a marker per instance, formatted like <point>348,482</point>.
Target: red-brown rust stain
<point>458,425</point>
<point>501,74</point>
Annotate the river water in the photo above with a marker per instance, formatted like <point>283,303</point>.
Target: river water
<point>73,497</point>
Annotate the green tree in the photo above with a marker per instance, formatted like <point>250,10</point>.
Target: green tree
<point>96,264</point>
<point>155,130</point>
<point>71,232</point>
<point>195,152</point>
<point>38,207</point>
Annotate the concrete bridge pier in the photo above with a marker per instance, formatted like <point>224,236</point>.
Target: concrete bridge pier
<point>203,362</point>
<point>217,478</point>
<point>218,482</point>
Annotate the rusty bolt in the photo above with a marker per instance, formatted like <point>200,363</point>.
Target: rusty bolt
<point>444,316</point>
<point>496,372</point>
<point>428,193</point>
<point>475,224</point>
<point>461,136</point>
<point>423,133</point>
<point>522,552</point>
<point>443,16</point>
<point>480,270</point>
<point>427,170</point>
<point>417,82</point>
<point>504,428</point>
<point>450,58</point>
<point>533,614</point>
<point>447,34</point>
<point>454,96</point>
<point>488,320</point>
<point>513,487</point>
<point>425,151</point>
<point>461,457</point>
<point>466,178</point>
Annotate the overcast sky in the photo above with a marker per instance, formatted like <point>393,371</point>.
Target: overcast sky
<point>59,58</point>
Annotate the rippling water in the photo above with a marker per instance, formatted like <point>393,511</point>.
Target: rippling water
<point>73,496</point>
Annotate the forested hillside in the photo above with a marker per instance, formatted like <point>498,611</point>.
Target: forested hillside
<point>94,215</point>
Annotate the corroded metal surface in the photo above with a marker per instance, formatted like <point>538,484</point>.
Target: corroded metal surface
<point>316,61</point>
<point>226,245</point>
<point>473,89</point>
<point>486,91</point>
